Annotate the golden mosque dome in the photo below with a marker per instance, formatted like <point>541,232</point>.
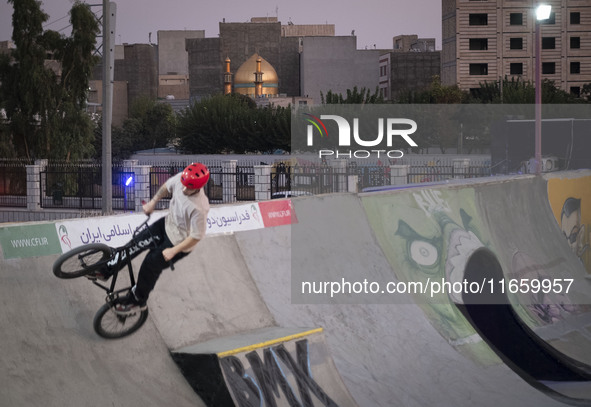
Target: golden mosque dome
<point>245,77</point>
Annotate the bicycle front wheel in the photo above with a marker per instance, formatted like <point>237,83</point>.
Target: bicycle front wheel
<point>81,260</point>
<point>110,325</point>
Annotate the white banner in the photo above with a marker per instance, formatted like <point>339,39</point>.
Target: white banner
<point>113,231</point>
<point>225,219</point>
<point>116,231</point>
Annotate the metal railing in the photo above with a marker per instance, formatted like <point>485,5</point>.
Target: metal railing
<point>244,178</point>
<point>80,187</point>
<point>13,183</point>
<point>319,179</point>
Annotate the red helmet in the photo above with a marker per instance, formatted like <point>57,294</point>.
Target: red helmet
<point>195,176</point>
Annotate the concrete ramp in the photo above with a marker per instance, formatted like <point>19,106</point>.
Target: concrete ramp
<point>50,355</point>
<point>232,311</point>
<point>266,367</point>
<point>387,354</point>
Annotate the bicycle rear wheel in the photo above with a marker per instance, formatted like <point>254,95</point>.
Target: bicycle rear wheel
<point>111,325</point>
<point>81,260</point>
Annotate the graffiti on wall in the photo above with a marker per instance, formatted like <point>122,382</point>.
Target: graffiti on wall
<point>570,200</point>
<point>273,376</point>
<point>573,228</point>
<point>429,235</point>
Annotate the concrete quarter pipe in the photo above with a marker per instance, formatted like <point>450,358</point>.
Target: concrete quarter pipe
<point>235,308</point>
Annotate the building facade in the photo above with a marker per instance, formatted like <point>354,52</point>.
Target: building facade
<point>488,40</point>
<point>238,42</point>
<point>409,67</point>
<point>335,64</point>
<point>173,63</point>
<point>408,43</point>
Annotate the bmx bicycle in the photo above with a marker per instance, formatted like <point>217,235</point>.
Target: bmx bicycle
<point>109,322</point>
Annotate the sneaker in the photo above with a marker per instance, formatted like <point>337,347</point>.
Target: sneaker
<point>130,305</point>
<point>101,274</point>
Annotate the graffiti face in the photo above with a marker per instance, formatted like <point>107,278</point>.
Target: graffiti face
<point>570,200</point>
<point>570,223</point>
<point>444,254</point>
<point>437,242</point>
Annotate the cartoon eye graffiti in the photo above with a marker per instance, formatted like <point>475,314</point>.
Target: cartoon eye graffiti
<point>423,253</point>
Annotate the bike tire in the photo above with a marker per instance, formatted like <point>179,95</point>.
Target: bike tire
<point>110,325</point>
<point>81,260</point>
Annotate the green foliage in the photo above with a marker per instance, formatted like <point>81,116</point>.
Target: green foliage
<point>436,93</point>
<point>438,127</point>
<point>444,127</point>
<point>233,124</point>
<point>354,96</point>
<point>150,125</point>
<point>518,91</point>
<point>45,104</point>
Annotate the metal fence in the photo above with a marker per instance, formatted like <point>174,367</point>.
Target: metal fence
<point>79,186</point>
<point>434,171</point>
<point>13,183</point>
<point>322,178</point>
<point>243,177</point>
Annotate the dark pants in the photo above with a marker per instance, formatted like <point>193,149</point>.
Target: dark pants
<point>156,240</point>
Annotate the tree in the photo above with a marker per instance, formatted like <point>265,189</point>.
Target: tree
<point>437,125</point>
<point>233,124</point>
<point>150,125</point>
<point>436,93</point>
<point>45,105</point>
<point>354,96</point>
<point>518,91</point>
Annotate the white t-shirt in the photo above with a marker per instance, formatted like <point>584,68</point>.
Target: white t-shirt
<point>187,215</point>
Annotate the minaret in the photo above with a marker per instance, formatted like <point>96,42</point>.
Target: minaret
<point>227,78</point>
<point>258,79</point>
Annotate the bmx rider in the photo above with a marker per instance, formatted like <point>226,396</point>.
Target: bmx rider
<point>174,235</point>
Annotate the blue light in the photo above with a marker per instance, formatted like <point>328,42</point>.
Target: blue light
<point>129,181</point>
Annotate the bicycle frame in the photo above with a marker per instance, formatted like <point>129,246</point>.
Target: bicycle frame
<point>124,255</point>
<point>111,292</point>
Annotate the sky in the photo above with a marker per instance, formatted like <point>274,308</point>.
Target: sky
<point>375,21</point>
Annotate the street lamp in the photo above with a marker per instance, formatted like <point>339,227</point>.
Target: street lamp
<point>542,13</point>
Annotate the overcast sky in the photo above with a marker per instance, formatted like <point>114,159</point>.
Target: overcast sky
<point>374,21</point>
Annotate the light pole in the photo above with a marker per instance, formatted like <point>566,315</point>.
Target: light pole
<point>542,13</point>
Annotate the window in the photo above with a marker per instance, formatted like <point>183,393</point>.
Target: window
<point>575,42</point>
<point>516,18</point>
<point>516,69</point>
<point>548,68</point>
<point>478,44</point>
<point>478,19</point>
<point>478,69</point>
<point>576,91</point>
<point>516,43</point>
<point>548,43</point>
<point>575,18</point>
<point>575,67</point>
